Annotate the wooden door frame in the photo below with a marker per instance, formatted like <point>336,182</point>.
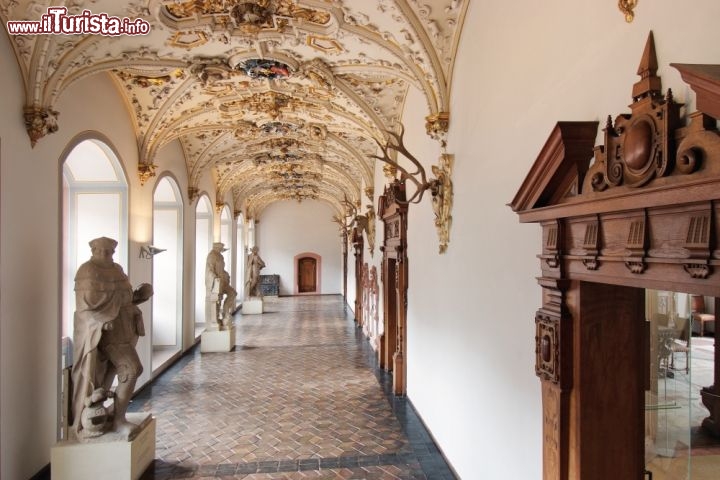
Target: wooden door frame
<point>296,273</point>
<point>393,211</point>
<point>359,250</point>
<point>655,226</point>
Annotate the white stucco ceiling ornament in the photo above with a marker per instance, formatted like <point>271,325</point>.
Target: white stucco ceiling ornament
<point>227,78</point>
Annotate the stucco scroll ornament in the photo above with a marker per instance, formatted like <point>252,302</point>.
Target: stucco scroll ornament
<point>145,172</point>
<point>440,187</point>
<point>442,198</point>
<point>40,121</point>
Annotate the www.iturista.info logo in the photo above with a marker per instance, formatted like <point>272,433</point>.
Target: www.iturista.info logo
<point>57,22</point>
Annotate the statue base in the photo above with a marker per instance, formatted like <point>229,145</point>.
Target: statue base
<point>106,457</point>
<point>217,340</point>
<point>252,306</point>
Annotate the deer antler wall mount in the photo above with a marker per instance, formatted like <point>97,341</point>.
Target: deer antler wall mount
<point>440,186</point>
<point>363,222</point>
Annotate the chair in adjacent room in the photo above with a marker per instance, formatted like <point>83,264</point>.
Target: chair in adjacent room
<point>681,342</point>
<point>699,317</point>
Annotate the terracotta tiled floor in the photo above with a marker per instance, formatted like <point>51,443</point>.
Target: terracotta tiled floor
<point>299,397</point>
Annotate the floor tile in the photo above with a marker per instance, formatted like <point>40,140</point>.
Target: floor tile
<point>299,397</point>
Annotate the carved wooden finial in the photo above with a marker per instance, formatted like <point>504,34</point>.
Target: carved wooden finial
<point>649,83</point>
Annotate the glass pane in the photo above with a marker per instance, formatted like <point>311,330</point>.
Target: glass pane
<point>203,244</point>
<point>165,313</point>
<point>680,364</point>
<point>203,206</point>
<point>98,215</point>
<point>89,163</point>
<point>164,192</point>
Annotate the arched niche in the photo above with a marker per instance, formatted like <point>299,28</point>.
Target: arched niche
<point>203,245</point>
<point>94,200</point>
<point>167,271</point>
<point>226,237</point>
<point>240,256</point>
<point>94,204</point>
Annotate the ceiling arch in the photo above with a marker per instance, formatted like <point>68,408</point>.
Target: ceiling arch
<point>254,89</point>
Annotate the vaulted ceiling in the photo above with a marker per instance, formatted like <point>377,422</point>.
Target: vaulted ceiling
<point>277,99</point>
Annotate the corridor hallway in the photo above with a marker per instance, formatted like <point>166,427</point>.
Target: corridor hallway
<point>299,397</point>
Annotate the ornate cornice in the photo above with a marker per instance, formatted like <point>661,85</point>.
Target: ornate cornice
<point>40,121</point>
<point>145,172</point>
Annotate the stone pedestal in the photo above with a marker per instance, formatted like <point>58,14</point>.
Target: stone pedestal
<point>218,340</point>
<point>211,309</point>
<point>104,457</point>
<point>252,306</point>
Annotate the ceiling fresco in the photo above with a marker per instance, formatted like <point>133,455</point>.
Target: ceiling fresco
<point>275,99</point>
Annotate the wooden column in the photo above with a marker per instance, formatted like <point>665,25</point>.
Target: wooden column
<point>399,364</point>
<point>358,246</point>
<point>607,403</point>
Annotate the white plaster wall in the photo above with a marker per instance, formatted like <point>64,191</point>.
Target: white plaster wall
<point>470,311</point>
<point>30,252</point>
<point>288,228</point>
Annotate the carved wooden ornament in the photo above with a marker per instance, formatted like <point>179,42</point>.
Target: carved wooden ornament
<point>645,214</point>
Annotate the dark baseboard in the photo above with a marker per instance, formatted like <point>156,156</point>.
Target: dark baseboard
<point>43,474</point>
<point>430,434</point>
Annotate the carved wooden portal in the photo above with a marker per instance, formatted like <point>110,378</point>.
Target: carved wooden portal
<point>393,211</point>
<point>370,300</point>
<point>359,246</point>
<point>646,214</point>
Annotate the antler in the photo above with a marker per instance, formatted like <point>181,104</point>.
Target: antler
<point>396,143</point>
<point>352,210</point>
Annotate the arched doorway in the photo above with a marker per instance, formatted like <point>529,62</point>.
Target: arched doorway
<point>240,257</point>
<point>94,204</point>
<point>167,272</point>
<point>203,245</point>
<point>226,237</point>
<point>307,273</point>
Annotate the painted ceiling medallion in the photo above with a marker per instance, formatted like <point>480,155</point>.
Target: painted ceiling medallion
<point>253,16</point>
<point>264,68</point>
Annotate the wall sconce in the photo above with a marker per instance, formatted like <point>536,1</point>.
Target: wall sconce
<point>150,251</point>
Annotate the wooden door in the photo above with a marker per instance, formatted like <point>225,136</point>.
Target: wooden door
<point>307,275</point>
<point>359,246</point>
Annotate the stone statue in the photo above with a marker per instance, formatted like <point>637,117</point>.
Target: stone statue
<point>253,267</point>
<point>107,324</point>
<point>218,290</point>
